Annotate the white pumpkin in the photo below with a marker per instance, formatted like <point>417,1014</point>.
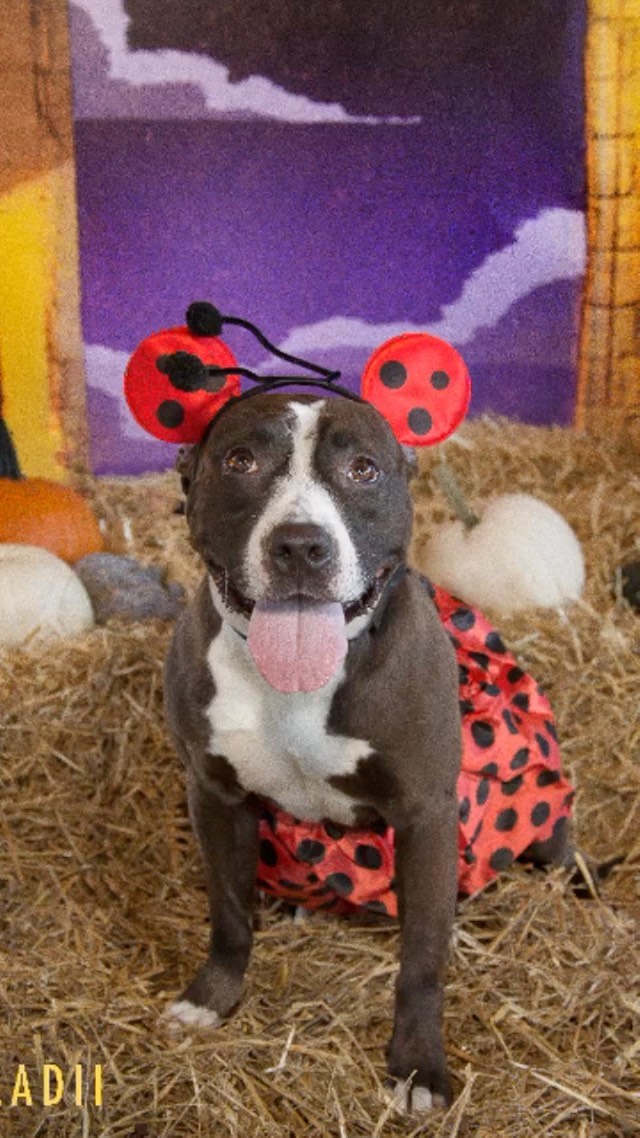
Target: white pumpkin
<point>40,597</point>
<point>522,554</point>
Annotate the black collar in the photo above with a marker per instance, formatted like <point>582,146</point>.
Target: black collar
<point>398,575</point>
<point>396,578</point>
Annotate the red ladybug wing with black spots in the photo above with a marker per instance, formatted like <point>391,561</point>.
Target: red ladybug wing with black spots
<point>420,384</point>
<point>177,404</point>
<point>417,382</point>
<point>511,789</point>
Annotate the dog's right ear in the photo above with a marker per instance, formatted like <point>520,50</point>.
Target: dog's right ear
<point>185,465</point>
<point>410,461</point>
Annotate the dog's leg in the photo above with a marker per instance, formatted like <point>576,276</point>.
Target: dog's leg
<point>426,872</point>
<point>228,837</point>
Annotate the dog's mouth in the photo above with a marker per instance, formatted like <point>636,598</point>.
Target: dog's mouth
<point>240,604</point>
<point>298,642</point>
<point>232,598</point>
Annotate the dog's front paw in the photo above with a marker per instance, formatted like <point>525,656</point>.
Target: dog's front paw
<point>209,999</point>
<point>413,1098</point>
<point>421,1084</point>
<point>182,1015</point>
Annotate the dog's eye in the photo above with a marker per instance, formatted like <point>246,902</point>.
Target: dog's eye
<point>363,469</point>
<point>240,460</point>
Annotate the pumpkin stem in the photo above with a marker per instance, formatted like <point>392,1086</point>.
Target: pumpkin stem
<point>451,489</point>
<point>9,465</point>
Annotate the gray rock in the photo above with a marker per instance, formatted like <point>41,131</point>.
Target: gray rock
<point>119,586</point>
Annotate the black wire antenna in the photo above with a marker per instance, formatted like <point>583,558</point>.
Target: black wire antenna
<point>188,373</point>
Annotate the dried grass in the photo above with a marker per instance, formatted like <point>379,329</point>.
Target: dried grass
<point>103,908</point>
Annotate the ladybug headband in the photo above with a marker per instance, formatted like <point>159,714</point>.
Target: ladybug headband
<point>178,380</point>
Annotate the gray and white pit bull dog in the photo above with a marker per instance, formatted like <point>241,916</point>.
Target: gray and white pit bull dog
<point>309,673</point>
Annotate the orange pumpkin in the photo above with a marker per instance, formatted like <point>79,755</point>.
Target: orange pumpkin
<point>34,511</point>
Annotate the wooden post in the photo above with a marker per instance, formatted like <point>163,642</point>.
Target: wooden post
<point>609,371</point>
<point>42,393</point>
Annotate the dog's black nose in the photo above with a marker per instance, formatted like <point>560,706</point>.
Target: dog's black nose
<point>296,546</point>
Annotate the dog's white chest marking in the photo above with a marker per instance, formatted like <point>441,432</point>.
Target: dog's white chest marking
<point>277,742</point>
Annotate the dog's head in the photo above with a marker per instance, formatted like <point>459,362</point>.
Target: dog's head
<point>298,504</point>
<point>291,496</point>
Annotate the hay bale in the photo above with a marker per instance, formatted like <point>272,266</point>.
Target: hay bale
<point>104,910</point>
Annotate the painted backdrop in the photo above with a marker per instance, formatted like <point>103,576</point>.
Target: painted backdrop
<point>336,173</point>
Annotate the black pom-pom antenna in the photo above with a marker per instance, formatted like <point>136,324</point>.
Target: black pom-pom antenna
<point>188,373</point>
<point>203,319</point>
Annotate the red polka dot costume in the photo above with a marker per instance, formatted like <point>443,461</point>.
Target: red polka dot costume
<point>511,789</point>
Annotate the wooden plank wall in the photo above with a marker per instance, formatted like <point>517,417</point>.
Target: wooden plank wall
<point>609,371</point>
<point>42,386</point>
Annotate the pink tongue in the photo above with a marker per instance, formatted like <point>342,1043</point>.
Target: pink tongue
<point>297,645</point>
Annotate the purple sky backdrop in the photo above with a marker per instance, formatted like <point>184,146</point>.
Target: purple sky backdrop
<point>288,224</point>
<point>291,224</point>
